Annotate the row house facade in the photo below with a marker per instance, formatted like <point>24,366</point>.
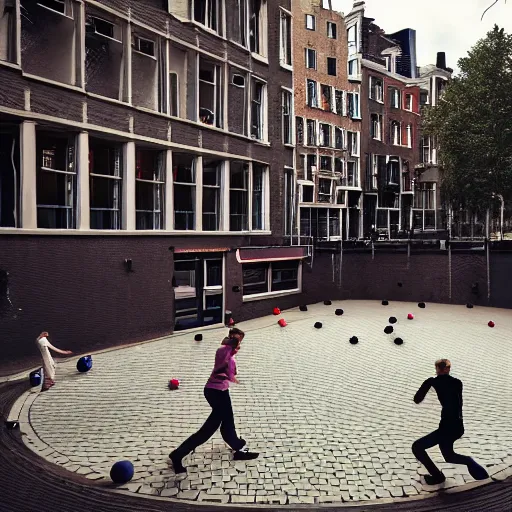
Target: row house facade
<point>390,106</point>
<point>328,125</point>
<point>144,136</point>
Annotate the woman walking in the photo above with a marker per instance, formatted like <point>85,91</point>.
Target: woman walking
<point>216,393</point>
<point>48,363</point>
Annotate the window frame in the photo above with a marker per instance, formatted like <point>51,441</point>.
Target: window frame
<point>308,60</point>
<point>285,36</point>
<point>379,126</point>
<point>219,6</point>
<point>308,18</point>
<point>376,89</point>
<point>408,102</point>
<point>312,101</point>
<point>192,184</point>
<point>332,34</point>
<point>329,61</point>
<point>218,94</point>
<point>287,106</point>
<point>261,134</point>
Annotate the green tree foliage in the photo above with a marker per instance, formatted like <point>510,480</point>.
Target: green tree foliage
<point>473,124</point>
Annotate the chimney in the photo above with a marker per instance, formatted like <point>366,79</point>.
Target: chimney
<point>441,60</point>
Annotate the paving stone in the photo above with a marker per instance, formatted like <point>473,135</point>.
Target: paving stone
<point>169,493</point>
<point>188,495</point>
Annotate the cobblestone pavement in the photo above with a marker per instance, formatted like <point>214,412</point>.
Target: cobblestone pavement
<point>332,421</point>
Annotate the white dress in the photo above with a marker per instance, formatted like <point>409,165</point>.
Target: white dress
<point>48,362</point>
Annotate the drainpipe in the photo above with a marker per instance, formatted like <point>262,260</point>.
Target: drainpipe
<point>488,250</point>
<point>502,213</point>
<point>450,252</point>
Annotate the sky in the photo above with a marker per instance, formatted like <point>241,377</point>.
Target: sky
<point>451,26</point>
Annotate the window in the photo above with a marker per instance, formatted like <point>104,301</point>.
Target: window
<point>174,94</point>
<point>394,97</point>
<point>310,22</point>
<point>331,66</point>
<point>210,93</point>
<point>239,197</point>
<point>299,127</point>
<point>424,98</point>
<point>56,182</point>
<point>8,35</point>
<point>311,132</point>
<point>326,163</point>
<point>324,190</point>
<point>331,30</point>
<point>353,105</point>
<point>258,197</point>
<point>286,39</point>
<point>339,139</point>
<point>352,174</point>
<point>149,189</point>
<point>268,277</point>
<point>326,97</point>
<point>312,93</point>
<point>241,35</point>
<point>310,166</point>
<point>352,40</point>
<point>338,165</point>
<point>353,143</point>
<point>353,68</point>
<point>287,117</point>
<point>390,62</point>
<point>258,26</point>
<point>408,102</point>
<point>376,126</point>
<point>321,223</point>
<point>207,13</point>
<point>338,101</point>
<point>424,206</point>
<point>105,188</point>
<point>307,193</point>
<point>376,89</point>
<point>325,135</point>
<point>10,205</point>
<point>184,177</point>
<point>257,109</point>
<point>408,131</point>
<point>289,196</point>
<point>212,170</point>
<point>310,58</point>
<point>396,133</point>
<point>426,150</point>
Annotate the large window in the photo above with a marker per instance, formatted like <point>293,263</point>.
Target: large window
<point>339,139</point>
<point>352,40</point>
<point>325,135</point>
<point>268,277</point>
<point>327,103</point>
<point>376,89</point>
<point>207,13</point>
<point>353,143</point>
<point>56,182</point>
<point>325,187</point>
<point>184,178</point>
<point>424,206</point>
<point>287,117</point>
<point>149,189</point>
<point>105,171</point>
<point>258,197</point>
<point>258,90</point>
<point>394,97</point>
<point>353,105</point>
<point>212,170</point>
<point>258,26</point>
<point>285,54</point>
<point>210,93</point>
<point>338,102</point>
<point>352,174</point>
<point>312,93</point>
<point>311,132</point>
<point>376,126</point>
<point>239,197</point>
<point>310,56</point>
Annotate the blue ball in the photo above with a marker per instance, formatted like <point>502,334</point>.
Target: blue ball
<point>122,472</point>
<point>35,378</point>
<point>84,364</point>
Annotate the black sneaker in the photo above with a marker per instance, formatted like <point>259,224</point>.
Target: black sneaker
<point>176,463</point>
<point>435,480</point>
<point>240,455</point>
<point>477,471</point>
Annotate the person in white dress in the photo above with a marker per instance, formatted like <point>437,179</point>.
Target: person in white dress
<point>45,346</point>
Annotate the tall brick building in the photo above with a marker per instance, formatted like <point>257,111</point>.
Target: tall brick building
<point>328,125</point>
<point>391,122</point>
<point>146,177</point>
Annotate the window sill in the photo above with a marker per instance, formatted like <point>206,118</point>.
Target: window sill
<point>270,295</point>
<point>288,145</point>
<point>259,58</point>
<point>10,65</point>
<point>285,66</point>
<point>53,82</point>
<point>206,29</point>
<point>356,118</point>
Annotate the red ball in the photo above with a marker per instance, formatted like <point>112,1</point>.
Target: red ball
<point>491,323</point>
<point>282,322</point>
<point>410,316</point>
<point>174,384</point>
<point>277,311</point>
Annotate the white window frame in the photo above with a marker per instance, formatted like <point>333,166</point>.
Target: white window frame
<point>423,209</point>
<point>306,183</point>
<point>308,60</point>
<point>313,123</point>
<point>353,68</point>
<point>353,143</point>
<point>310,22</point>
<point>320,163</point>
<point>261,48</point>
<point>321,137</point>
<point>330,32</point>
<point>379,90</point>
<point>395,97</point>
<point>286,31</point>
<point>315,103</point>
<point>379,126</point>
<point>409,102</point>
<point>355,163</point>
<point>221,190</point>
<point>324,194</point>
<point>409,135</point>
<point>356,102</point>
<point>375,172</point>
<point>287,106</point>
<point>219,7</point>
<point>196,185</point>
<point>396,133</point>
<point>218,84</point>
<point>263,125</point>
<point>338,130</point>
<point>353,46</point>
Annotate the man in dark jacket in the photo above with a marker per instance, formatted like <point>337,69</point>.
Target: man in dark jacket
<point>451,427</point>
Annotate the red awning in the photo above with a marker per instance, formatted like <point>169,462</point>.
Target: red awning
<point>256,254</point>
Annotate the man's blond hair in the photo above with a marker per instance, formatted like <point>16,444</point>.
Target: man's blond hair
<point>444,364</point>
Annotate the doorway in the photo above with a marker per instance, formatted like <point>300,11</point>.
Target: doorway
<point>198,289</point>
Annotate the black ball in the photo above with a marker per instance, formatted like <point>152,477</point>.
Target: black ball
<point>385,302</point>
<point>469,305</point>
<point>339,312</point>
<point>399,341</point>
<point>400,284</point>
<point>327,302</point>
<point>421,305</point>
<point>303,308</point>
<point>318,325</point>
<point>392,320</point>
<point>198,337</point>
<point>388,329</point>
<point>354,340</point>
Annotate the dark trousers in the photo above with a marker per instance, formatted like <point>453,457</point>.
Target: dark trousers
<point>221,416</point>
<point>444,436</point>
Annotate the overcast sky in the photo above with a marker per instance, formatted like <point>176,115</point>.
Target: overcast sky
<point>452,26</point>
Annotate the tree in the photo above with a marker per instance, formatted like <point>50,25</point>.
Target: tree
<point>473,125</point>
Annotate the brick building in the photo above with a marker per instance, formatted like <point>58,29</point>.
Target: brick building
<point>145,148</point>
<point>328,125</point>
<point>390,123</point>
